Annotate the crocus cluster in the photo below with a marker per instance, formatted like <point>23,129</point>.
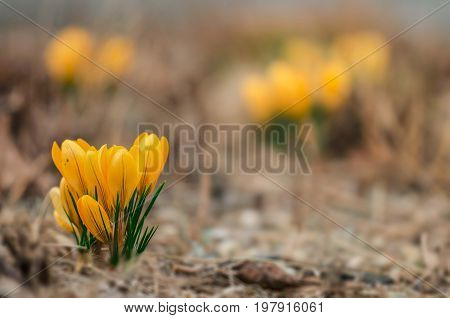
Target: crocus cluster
<point>76,57</point>
<point>312,74</point>
<point>102,194</point>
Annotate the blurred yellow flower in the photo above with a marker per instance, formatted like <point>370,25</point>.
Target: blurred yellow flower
<point>304,54</point>
<point>282,88</point>
<point>353,47</point>
<point>338,85</point>
<point>100,188</point>
<point>307,66</point>
<point>290,89</point>
<point>64,57</point>
<point>258,97</point>
<point>115,55</point>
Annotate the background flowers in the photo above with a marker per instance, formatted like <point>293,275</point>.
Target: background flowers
<point>69,57</point>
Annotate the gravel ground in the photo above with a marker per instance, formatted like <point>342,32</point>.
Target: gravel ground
<point>249,248</point>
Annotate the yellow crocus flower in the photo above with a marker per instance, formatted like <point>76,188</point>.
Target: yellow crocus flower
<point>65,56</point>
<point>102,181</point>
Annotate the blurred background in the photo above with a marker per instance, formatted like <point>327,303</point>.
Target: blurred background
<point>379,150</point>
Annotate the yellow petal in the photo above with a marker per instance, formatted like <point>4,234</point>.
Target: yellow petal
<point>57,156</point>
<point>55,197</point>
<point>96,181</point>
<point>163,154</point>
<point>165,148</point>
<point>147,160</point>
<point>93,172</point>
<point>134,151</point>
<point>150,140</point>
<point>106,158</point>
<point>123,176</point>
<point>95,218</point>
<point>154,158</point>
<point>148,150</point>
<point>73,165</point>
<point>83,144</point>
<point>69,198</point>
<point>112,151</point>
<point>59,214</point>
<point>103,159</point>
<point>63,221</point>
<point>139,138</point>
